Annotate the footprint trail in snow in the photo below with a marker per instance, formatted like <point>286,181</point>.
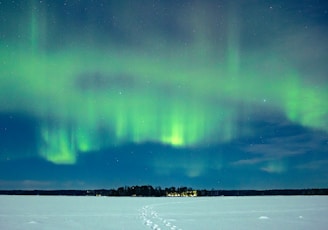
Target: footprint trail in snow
<point>154,221</point>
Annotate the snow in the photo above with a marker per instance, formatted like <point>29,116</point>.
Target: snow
<point>64,212</point>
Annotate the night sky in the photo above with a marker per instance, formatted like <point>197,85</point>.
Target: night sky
<point>206,94</point>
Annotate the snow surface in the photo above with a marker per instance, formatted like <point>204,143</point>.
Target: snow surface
<point>64,212</point>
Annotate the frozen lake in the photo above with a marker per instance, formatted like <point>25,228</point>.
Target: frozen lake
<point>64,212</point>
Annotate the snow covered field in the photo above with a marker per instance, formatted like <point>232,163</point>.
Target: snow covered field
<point>63,212</point>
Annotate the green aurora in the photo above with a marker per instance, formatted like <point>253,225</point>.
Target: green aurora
<point>90,95</point>
<point>185,113</point>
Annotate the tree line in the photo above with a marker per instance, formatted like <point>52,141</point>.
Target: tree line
<point>150,191</point>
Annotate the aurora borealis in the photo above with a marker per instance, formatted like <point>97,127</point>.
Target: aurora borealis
<point>202,93</point>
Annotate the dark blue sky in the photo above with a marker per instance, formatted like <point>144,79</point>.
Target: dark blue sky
<point>206,94</point>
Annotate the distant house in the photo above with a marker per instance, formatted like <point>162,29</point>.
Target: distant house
<point>192,193</point>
